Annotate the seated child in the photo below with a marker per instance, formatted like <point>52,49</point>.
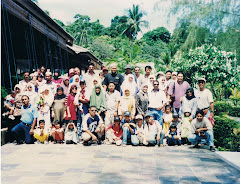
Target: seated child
<point>71,133</point>
<point>186,126</point>
<point>173,137</point>
<point>57,133</point>
<point>177,122</point>
<point>9,104</point>
<point>114,132</point>
<point>40,134</point>
<point>167,118</point>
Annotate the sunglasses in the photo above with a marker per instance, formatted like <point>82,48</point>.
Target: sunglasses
<point>24,99</point>
<point>29,87</point>
<point>155,84</point>
<point>201,82</point>
<point>93,110</point>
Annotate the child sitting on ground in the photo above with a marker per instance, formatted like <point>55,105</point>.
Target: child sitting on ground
<point>173,137</point>
<point>40,134</point>
<point>9,104</point>
<point>177,122</point>
<point>186,126</point>
<point>57,133</point>
<point>114,132</point>
<point>71,133</point>
<point>167,118</point>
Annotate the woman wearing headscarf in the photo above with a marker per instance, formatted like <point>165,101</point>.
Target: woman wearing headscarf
<point>31,94</point>
<point>59,107</point>
<point>65,85</point>
<point>71,108</point>
<point>98,99</point>
<point>189,103</point>
<point>76,82</point>
<point>129,83</point>
<point>56,78</point>
<point>150,82</point>
<point>142,100</point>
<point>162,83</point>
<point>127,103</point>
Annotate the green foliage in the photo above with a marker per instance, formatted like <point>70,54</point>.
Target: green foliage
<point>221,107</point>
<point>235,97</point>
<point>161,33</point>
<point>4,92</point>
<point>59,22</point>
<point>223,133</point>
<point>234,111</point>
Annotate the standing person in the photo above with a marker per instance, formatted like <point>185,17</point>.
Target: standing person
<point>65,85</point>
<point>168,76</point>
<point>105,71</point>
<point>140,136</point>
<point>157,102</point>
<point>31,94</point>
<point>159,75</point>
<point>130,84</point>
<point>39,82</point>
<point>150,80</point>
<point>174,76</point>
<point>71,108</point>
<point>56,78</point>
<point>93,127</point>
<point>139,77</point>
<point>204,98</point>
<point>43,70</point>
<point>112,103</point>
<point>114,132</point>
<point>201,128</point>
<point>128,70</point>
<point>88,77</point>
<point>50,83</point>
<point>29,117</point>
<point>162,84</point>
<point>178,89</point>
<point>167,118</point>
<point>58,106</point>
<point>148,70</point>
<point>75,82</point>
<point>25,81</point>
<point>113,77</point>
<point>71,73</point>
<point>142,100</point>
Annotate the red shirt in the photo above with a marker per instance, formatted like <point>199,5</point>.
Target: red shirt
<point>71,106</point>
<point>118,131</point>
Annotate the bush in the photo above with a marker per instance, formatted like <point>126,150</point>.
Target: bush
<point>234,111</point>
<point>224,137</point>
<point>220,107</point>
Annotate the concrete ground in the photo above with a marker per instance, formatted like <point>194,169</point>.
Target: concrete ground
<point>71,164</point>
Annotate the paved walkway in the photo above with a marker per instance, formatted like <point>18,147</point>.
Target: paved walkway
<point>70,164</point>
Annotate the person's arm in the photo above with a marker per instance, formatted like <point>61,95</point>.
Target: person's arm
<point>159,131</point>
<point>130,129</point>
<point>92,135</point>
<point>140,111</point>
<point>75,129</point>
<point>212,109</point>
<point>33,125</point>
<point>133,111</point>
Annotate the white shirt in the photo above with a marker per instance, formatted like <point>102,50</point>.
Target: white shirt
<point>140,81</point>
<point>205,123</point>
<point>168,82</point>
<point>23,84</point>
<point>52,86</point>
<point>141,130</point>
<point>88,78</point>
<point>154,128</point>
<point>112,99</point>
<point>204,98</point>
<point>156,99</point>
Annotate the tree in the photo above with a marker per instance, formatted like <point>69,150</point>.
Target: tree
<point>118,25</point>
<point>160,33</point>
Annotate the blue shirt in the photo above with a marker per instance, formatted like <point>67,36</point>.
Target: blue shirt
<point>91,123</point>
<point>28,114</point>
<point>131,121</point>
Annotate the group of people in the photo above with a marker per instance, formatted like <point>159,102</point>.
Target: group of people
<point>129,108</point>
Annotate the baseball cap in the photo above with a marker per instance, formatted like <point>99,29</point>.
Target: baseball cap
<point>139,116</point>
<point>175,115</point>
<point>202,79</point>
<point>127,113</point>
<point>82,81</point>
<point>116,118</point>
<point>105,68</point>
<point>128,66</point>
<point>148,114</point>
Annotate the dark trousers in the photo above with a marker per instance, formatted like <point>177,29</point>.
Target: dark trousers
<point>22,129</point>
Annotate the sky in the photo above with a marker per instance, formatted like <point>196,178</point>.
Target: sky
<point>105,10</point>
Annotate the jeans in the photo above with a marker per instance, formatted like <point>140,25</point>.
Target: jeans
<point>126,135</point>
<point>195,139</point>
<point>172,141</point>
<point>152,138</point>
<point>22,128</point>
<point>176,110</point>
<point>157,115</point>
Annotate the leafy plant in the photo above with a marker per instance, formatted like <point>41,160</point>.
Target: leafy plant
<point>235,97</point>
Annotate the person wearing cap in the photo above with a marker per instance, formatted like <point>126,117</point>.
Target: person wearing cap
<point>113,77</point>
<point>128,128</point>
<point>105,71</point>
<point>204,98</point>
<point>174,76</point>
<point>50,83</point>
<point>56,78</point>
<point>112,103</point>
<point>176,121</point>
<point>128,70</point>
<point>115,132</point>
<point>89,76</point>
<point>92,126</point>
<point>140,134</point>
<point>155,134</point>
<point>157,102</point>
<point>173,136</point>
<point>178,90</point>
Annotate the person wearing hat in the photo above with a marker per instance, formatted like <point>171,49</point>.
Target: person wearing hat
<point>173,136</point>
<point>128,70</point>
<point>154,132</point>
<point>204,98</point>
<point>115,77</point>
<point>115,132</point>
<point>140,134</point>
<point>176,121</point>
<point>105,71</point>
<point>90,75</point>
<point>128,128</point>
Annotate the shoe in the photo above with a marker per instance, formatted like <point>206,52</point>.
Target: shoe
<point>196,146</point>
<point>69,142</point>
<point>99,142</point>
<point>157,146</point>
<point>124,145</point>
<point>212,149</point>
<point>86,143</point>
<point>161,145</point>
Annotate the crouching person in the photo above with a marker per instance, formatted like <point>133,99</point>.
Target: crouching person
<point>140,134</point>
<point>173,136</point>
<point>115,132</point>
<point>155,134</point>
<point>40,134</point>
<point>57,133</point>
<point>93,127</point>
<point>71,133</point>
<point>201,129</point>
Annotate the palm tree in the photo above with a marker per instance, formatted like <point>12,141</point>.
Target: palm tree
<point>134,22</point>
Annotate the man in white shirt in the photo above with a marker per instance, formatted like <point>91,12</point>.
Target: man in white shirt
<point>89,76</point>
<point>204,98</point>
<point>139,77</point>
<point>148,70</point>
<point>157,102</point>
<point>50,83</point>
<point>25,81</point>
<point>201,128</point>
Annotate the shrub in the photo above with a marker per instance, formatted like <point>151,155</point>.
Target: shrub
<point>224,137</point>
<point>234,111</point>
<point>220,107</point>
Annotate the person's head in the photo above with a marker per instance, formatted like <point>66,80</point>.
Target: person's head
<point>155,85</point>
<point>71,72</point>
<point>41,124</point>
<point>82,84</point>
<point>13,94</point>
<point>113,67</point>
<point>17,88</point>
<point>127,116</point>
<point>144,88</point>
<point>168,74</point>
<point>101,75</point>
<point>105,71</point>
<point>98,89</point>
<point>47,91</point>
<point>25,99</point>
<point>117,120</point>
<point>92,111</point>
<point>91,67</point>
<point>139,119</point>
<point>40,77</point>
<point>77,71</point>
<point>73,89</point>
<point>26,76</point>
<point>38,71</point>
<point>160,74</point>
<point>151,78</point>
<point>59,91</point>
<point>148,70</point>
<point>128,69</point>
<point>66,81</point>
<point>149,118</point>
<point>126,92</point>
<point>71,125</point>
<point>168,109</point>
<point>30,87</point>
<point>201,83</point>
<point>199,115</point>
<point>57,124</point>
<point>43,69</point>
<point>137,70</point>
<point>130,77</point>
<point>95,81</point>
<point>175,117</point>
<point>187,114</point>
<point>76,79</point>
<point>180,76</point>
<point>48,76</point>
<point>56,73</point>
<point>174,75</point>
<point>162,80</point>
<point>173,128</point>
<point>111,86</point>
